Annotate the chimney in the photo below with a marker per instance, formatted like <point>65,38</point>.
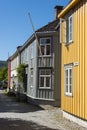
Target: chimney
<point>58,9</point>
<point>18,48</point>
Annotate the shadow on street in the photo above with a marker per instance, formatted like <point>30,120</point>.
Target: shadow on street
<point>9,124</point>
<point>10,104</point>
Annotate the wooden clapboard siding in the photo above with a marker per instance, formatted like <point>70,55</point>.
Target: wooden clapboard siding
<point>76,52</point>
<point>85,15</point>
<point>45,61</point>
<point>45,94</point>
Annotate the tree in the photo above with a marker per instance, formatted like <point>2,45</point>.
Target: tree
<point>3,74</point>
<point>3,77</point>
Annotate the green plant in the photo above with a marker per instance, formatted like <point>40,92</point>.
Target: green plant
<point>3,74</point>
<point>21,73</point>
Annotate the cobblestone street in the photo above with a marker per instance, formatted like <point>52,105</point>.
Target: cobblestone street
<point>24,116</point>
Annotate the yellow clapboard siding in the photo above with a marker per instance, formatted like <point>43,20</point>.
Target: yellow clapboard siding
<point>85,60</point>
<point>76,52</point>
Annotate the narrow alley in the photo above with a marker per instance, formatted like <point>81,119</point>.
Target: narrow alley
<point>24,116</point>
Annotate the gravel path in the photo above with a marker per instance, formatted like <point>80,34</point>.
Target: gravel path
<point>47,116</point>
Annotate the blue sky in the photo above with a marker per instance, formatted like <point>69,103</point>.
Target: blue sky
<point>15,26</point>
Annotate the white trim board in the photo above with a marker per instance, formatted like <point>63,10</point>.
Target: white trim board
<point>75,119</point>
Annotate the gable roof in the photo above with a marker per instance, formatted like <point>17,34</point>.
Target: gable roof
<point>51,26</point>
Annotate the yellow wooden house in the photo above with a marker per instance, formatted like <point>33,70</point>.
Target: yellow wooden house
<point>73,38</point>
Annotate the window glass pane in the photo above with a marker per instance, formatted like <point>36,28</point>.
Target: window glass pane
<point>70,28</point>
<point>67,31</point>
<point>66,73</point>
<point>48,72</point>
<point>48,82</point>
<point>43,50</point>
<point>42,72</point>
<point>31,78</point>
<point>41,81</point>
<point>66,88</point>
<point>48,41</point>
<point>70,88</point>
<point>32,72</point>
<point>47,49</point>
<point>70,21</point>
<point>43,41</point>
<point>70,80</point>
<point>31,81</point>
<point>70,71</point>
<point>66,81</point>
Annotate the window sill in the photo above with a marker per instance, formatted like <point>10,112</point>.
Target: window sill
<point>44,88</point>
<point>45,56</point>
<point>68,94</point>
<point>32,58</point>
<point>68,43</point>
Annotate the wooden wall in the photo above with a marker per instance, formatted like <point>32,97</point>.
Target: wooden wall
<point>76,52</point>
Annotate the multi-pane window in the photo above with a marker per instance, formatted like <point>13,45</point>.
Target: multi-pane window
<point>45,44</point>
<point>68,79</point>
<point>69,30</point>
<point>45,78</point>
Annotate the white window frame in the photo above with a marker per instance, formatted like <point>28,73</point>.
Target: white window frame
<point>46,45</point>
<point>44,76</point>
<point>70,29</point>
<point>67,84</point>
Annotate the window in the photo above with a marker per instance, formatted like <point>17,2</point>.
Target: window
<point>32,51</point>
<point>68,79</point>
<point>31,78</point>
<point>45,44</point>
<point>44,78</point>
<point>69,30</point>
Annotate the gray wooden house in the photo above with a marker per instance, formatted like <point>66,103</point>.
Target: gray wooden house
<point>42,58</point>
<point>42,71</point>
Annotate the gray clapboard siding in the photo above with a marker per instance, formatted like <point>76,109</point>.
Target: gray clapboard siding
<point>45,94</point>
<point>45,62</point>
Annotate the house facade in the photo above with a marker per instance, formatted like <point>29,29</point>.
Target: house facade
<point>39,55</point>
<point>14,62</point>
<point>73,21</point>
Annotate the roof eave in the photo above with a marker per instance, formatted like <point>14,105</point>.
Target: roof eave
<point>67,8</point>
